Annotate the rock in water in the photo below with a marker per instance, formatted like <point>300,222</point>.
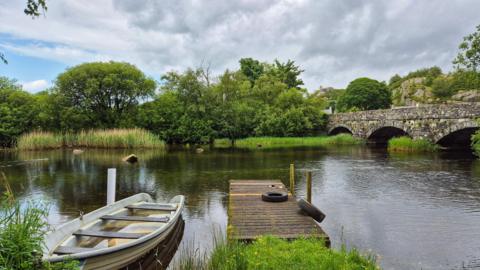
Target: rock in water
<point>130,158</point>
<point>199,150</point>
<point>77,151</point>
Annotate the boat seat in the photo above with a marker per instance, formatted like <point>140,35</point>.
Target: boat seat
<point>62,250</point>
<point>136,218</point>
<point>159,207</point>
<point>105,234</point>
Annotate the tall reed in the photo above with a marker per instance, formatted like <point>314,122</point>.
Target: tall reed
<point>108,138</point>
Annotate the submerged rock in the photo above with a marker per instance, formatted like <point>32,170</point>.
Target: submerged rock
<point>130,158</point>
<point>77,151</point>
<point>199,150</point>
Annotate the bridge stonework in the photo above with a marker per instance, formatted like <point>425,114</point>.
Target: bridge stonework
<point>432,122</point>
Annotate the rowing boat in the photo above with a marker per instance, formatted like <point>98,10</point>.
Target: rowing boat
<point>116,235</point>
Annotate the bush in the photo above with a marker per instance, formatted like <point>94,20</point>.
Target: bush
<point>365,94</point>
<point>442,88</point>
<point>476,143</point>
<point>407,144</point>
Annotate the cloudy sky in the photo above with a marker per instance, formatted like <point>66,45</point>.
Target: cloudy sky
<point>334,41</point>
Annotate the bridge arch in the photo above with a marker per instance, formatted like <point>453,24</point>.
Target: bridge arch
<point>458,135</point>
<point>382,134</point>
<point>340,129</point>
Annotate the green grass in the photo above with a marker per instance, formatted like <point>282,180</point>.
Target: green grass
<point>109,138</point>
<point>22,231</point>
<point>406,144</point>
<point>476,143</point>
<point>269,252</point>
<point>280,142</point>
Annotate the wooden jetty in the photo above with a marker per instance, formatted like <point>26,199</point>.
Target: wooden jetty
<point>249,217</point>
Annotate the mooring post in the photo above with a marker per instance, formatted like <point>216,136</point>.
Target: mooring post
<point>309,186</point>
<point>111,185</point>
<point>292,179</point>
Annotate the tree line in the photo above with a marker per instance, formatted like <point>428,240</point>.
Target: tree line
<point>259,99</point>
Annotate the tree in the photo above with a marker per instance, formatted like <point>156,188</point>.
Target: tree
<point>33,9</point>
<point>442,88</point>
<point>18,111</point>
<point>104,92</point>
<point>469,55</point>
<point>251,68</point>
<point>288,73</point>
<point>365,94</point>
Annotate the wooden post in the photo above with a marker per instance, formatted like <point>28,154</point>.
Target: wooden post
<point>292,179</point>
<point>111,185</point>
<point>309,186</point>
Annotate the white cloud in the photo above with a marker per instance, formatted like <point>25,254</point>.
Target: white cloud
<point>333,41</point>
<point>35,86</point>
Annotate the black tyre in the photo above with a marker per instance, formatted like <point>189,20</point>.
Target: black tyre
<point>275,196</point>
<point>311,210</point>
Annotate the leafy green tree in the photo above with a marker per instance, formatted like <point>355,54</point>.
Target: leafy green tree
<point>33,9</point>
<point>106,93</point>
<point>251,68</point>
<point>469,55</point>
<point>365,94</point>
<point>18,111</point>
<point>287,73</point>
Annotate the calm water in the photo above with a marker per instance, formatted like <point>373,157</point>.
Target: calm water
<point>413,211</point>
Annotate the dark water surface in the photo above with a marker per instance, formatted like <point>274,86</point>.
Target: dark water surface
<point>413,211</point>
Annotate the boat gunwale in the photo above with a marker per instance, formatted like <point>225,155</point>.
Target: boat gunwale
<point>48,255</point>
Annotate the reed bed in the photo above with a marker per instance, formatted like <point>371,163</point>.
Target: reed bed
<point>109,138</point>
<point>280,142</point>
<point>406,144</point>
<point>269,252</point>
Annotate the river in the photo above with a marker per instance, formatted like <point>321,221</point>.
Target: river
<point>412,211</point>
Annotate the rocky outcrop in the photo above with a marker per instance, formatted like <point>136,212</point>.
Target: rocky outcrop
<point>412,92</point>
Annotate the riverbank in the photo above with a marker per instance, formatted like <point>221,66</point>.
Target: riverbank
<point>268,252</point>
<point>282,142</point>
<point>111,138</point>
<point>476,143</point>
<point>406,144</point>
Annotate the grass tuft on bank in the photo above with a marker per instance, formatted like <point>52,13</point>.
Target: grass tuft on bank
<point>406,144</point>
<point>280,142</point>
<point>476,143</point>
<point>269,252</point>
<point>108,138</point>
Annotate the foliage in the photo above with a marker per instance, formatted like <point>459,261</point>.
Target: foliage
<point>22,230</point>
<point>428,73</point>
<point>268,252</point>
<point>18,111</point>
<point>34,7</point>
<point>476,143</point>
<point>112,138</point>
<point>251,68</point>
<point>103,92</point>
<point>281,142</point>
<point>442,88</point>
<point>469,56</point>
<point>407,144</point>
<point>365,94</point>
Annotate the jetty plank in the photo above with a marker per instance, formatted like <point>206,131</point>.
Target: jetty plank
<point>250,217</point>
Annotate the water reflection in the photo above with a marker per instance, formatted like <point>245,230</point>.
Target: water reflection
<point>415,211</point>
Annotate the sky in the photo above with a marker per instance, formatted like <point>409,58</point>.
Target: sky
<point>334,41</point>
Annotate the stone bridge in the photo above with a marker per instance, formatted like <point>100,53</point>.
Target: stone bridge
<point>450,125</point>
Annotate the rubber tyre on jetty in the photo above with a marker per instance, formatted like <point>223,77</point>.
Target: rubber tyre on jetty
<point>311,210</point>
<point>274,196</point>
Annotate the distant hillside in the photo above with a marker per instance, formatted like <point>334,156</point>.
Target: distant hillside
<point>427,86</point>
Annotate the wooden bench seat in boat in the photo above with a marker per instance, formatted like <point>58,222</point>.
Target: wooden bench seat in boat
<point>105,234</point>
<point>159,207</point>
<point>71,250</point>
<point>136,218</point>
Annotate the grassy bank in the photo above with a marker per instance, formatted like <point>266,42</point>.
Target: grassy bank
<point>272,253</point>
<point>22,231</point>
<point>476,143</point>
<point>279,142</point>
<point>110,138</point>
<point>406,144</point>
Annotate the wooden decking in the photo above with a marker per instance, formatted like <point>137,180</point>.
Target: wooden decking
<point>250,217</point>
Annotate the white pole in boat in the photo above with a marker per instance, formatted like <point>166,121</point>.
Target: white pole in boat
<point>111,183</point>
